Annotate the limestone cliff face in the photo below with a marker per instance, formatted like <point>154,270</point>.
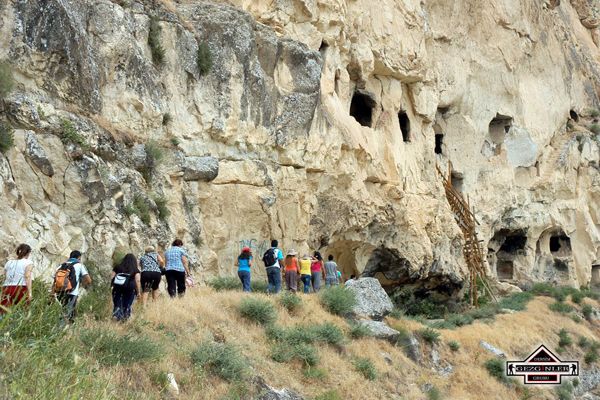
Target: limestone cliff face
<point>320,123</point>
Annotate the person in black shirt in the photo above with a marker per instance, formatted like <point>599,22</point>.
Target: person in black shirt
<point>126,284</point>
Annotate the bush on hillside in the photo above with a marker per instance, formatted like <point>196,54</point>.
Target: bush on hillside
<point>338,300</point>
<point>161,207</point>
<point>258,310</point>
<point>7,138</point>
<point>434,394</point>
<point>495,367</point>
<point>328,333</point>
<point>365,367</point>
<point>111,348</point>
<point>285,352</point>
<point>454,345</point>
<point>358,331</point>
<point>587,310</point>
<point>329,395</point>
<point>595,128</point>
<point>560,307</point>
<point>166,119</point>
<point>204,59</point>
<point>69,134</point>
<point>259,286</point>
<point>221,283</point>
<point>156,48</point>
<point>290,301</point>
<point>516,301</point>
<point>429,335</point>
<point>6,80</point>
<point>564,338</point>
<point>154,156</point>
<point>222,360</point>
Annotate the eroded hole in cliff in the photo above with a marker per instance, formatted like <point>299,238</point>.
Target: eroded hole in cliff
<point>439,141</point>
<point>457,180</point>
<point>323,47</point>
<point>404,126</point>
<point>574,116</point>
<point>595,275</point>
<point>361,108</point>
<point>560,245</point>
<point>506,248</point>
<point>499,126</point>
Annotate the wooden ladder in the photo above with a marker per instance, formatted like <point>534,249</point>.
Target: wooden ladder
<point>472,250</point>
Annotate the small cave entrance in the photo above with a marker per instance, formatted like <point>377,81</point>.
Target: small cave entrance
<point>596,275</point>
<point>457,181</point>
<point>573,115</point>
<point>560,245</point>
<point>499,126</point>
<point>506,248</point>
<point>439,142</point>
<point>388,266</point>
<point>404,122</point>
<point>361,108</point>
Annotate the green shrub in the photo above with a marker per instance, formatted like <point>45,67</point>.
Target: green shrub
<point>358,331</point>
<point>162,208</point>
<point>564,338</point>
<point>221,283</point>
<point>110,348</point>
<point>564,391</point>
<point>576,318</point>
<point>542,289</point>
<point>259,286</point>
<point>290,301</point>
<point>6,80</point>
<point>96,303</point>
<point>454,345</point>
<point>594,113</point>
<point>577,297</point>
<point>154,156</point>
<point>222,360</point>
<point>397,313</point>
<point>591,356</point>
<point>516,301</point>
<point>366,368</point>
<point>495,367</point>
<point>258,310</point>
<point>329,395</point>
<point>338,300</point>
<point>314,373</point>
<point>429,335</point>
<point>487,311</point>
<point>306,353</point>
<point>328,333</point>
<point>275,333</point>
<point>156,49</point>
<point>583,342</point>
<point>410,305</point>
<point>595,128</point>
<point>166,119</point>
<point>204,59</point>
<point>560,307</point>
<point>138,207</point>
<point>300,334</point>
<point>434,394</point>
<point>7,138</point>
<point>587,310</point>
<point>174,141</point>
<point>69,134</point>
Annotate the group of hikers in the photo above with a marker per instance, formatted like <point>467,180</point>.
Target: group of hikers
<point>135,278</point>
<point>308,269</point>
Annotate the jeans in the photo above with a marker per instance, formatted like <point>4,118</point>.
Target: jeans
<point>305,282</point>
<point>316,281</point>
<point>245,278</point>
<point>331,281</point>
<point>175,282</point>
<point>122,302</point>
<point>274,279</point>
<point>69,303</point>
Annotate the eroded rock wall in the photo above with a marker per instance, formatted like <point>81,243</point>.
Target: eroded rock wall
<point>264,146</point>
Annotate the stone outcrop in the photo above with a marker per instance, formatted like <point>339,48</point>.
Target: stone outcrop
<point>380,330</point>
<point>371,300</point>
<point>317,124</point>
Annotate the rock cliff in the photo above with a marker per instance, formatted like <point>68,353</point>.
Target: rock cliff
<point>318,122</point>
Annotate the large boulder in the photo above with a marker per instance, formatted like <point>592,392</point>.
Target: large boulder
<point>200,168</point>
<point>37,155</point>
<point>269,393</point>
<point>371,300</point>
<point>380,330</point>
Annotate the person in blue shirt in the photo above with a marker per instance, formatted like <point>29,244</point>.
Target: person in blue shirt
<point>177,268</point>
<point>244,264</point>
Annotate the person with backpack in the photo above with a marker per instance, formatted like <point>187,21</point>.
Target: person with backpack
<point>177,268</point>
<point>273,259</point>
<point>292,271</point>
<point>317,271</point>
<point>331,272</point>
<point>152,265</point>
<point>305,275</point>
<point>126,284</point>
<point>17,281</point>
<point>68,279</point>
<point>244,263</point>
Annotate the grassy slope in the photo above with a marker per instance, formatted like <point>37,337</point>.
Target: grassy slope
<point>177,326</point>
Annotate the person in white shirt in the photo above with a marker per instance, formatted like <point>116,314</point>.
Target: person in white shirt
<point>69,300</point>
<point>17,282</point>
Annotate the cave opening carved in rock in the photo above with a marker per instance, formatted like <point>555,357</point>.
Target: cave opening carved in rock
<point>457,181</point>
<point>404,122</point>
<point>361,108</point>
<point>554,256</point>
<point>439,142</point>
<point>499,126</point>
<point>596,275</point>
<point>506,249</point>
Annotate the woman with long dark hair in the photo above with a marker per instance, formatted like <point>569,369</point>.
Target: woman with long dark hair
<point>17,284</point>
<point>244,263</point>
<point>126,284</point>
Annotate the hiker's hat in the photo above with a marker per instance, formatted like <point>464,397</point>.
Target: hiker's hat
<point>149,249</point>
<point>306,255</point>
<point>292,253</point>
<point>246,249</point>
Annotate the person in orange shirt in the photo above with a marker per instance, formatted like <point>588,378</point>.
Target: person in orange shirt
<point>292,270</point>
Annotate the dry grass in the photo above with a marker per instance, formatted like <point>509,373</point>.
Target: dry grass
<point>180,325</point>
